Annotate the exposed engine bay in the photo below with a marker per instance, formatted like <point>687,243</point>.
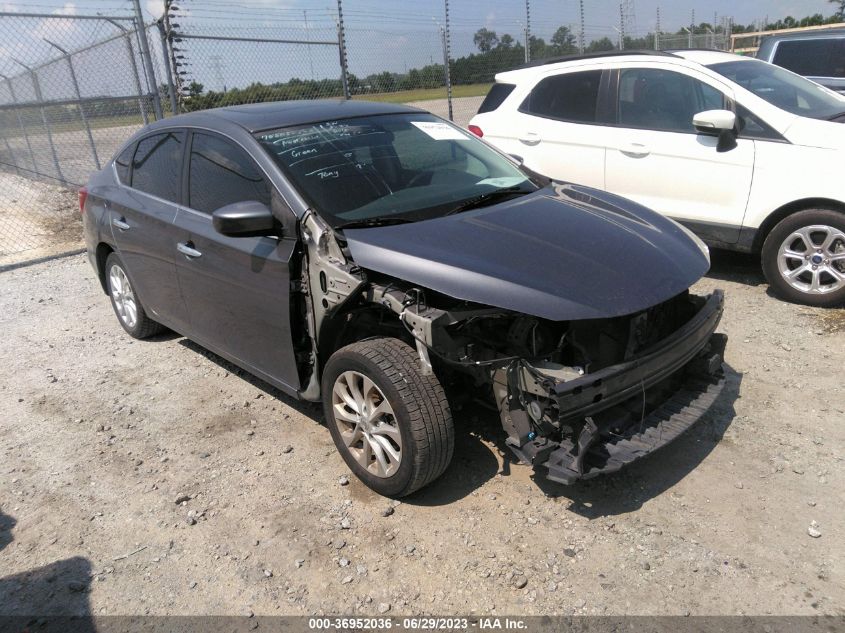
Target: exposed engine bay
<point>577,397</point>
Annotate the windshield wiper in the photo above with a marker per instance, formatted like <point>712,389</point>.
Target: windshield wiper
<point>486,198</point>
<point>370,222</point>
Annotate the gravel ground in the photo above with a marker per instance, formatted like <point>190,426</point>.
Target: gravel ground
<point>155,478</point>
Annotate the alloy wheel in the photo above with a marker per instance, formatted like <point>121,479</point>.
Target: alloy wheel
<point>367,424</point>
<point>812,259</point>
<point>123,297</point>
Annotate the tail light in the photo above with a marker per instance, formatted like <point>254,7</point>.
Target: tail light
<point>476,130</point>
<point>83,196</point>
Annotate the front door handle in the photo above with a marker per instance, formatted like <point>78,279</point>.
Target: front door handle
<point>120,224</point>
<point>188,250</point>
<point>635,150</point>
<point>529,138</point>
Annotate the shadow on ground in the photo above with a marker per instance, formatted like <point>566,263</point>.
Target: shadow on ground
<point>30,600</point>
<point>740,268</point>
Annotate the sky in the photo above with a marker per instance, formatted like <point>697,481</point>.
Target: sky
<point>393,35</point>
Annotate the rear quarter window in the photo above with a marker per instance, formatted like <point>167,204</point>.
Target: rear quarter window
<point>496,97</point>
<point>157,165</point>
<point>123,163</point>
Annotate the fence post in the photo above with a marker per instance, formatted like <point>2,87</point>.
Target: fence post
<point>527,31</point>
<point>152,84</point>
<point>341,46</point>
<point>11,155</point>
<point>131,53</point>
<point>20,123</point>
<point>40,98</point>
<point>78,94</point>
<point>168,71</point>
<point>446,69</point>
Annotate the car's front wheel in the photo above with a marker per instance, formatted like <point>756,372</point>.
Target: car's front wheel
<point>390,421</point>
<point>804,258</point>
<point>127,306</point>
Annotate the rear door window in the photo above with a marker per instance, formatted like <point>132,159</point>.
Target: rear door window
<point>822,57</point>
<point>157,165</point>
<point>569,97</point>
<point>222,173</point>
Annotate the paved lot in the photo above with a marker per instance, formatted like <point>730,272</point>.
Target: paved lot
<point>102,435</point>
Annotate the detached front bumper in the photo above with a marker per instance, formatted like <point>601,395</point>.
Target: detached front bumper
<point>621,413</point>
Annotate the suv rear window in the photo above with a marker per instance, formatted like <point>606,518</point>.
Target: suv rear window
<point>818,57</point>
<point>568,97</point>
<point>497,95</point>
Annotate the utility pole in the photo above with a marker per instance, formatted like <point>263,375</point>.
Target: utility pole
<point>341,46</point>
<point>657,32</point>
<point>446,56</point>
<point>527,31</point>
<point>581,43</point>
<point>691,29</point>
<point>622,26</point>
<point>152,85</point>
<point>308,37</point>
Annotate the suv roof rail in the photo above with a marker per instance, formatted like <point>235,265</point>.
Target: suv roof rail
<point>614,53</point>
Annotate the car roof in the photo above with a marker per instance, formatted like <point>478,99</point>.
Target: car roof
<point>705,57</point>
<point>806,35</point>
<point>276,114</point>
<point>684,57</point>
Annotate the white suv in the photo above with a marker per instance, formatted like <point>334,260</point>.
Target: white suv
<point>746,154</point>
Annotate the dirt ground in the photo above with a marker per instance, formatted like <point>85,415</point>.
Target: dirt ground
<point>155,478</point>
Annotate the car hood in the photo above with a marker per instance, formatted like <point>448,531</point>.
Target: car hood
<point>817,133</point>
<point>565,252</point>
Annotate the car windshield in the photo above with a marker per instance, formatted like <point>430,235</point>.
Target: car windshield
<point>783,89</point>
<point>391,168</point>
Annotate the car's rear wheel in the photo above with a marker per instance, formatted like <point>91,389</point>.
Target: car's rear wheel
<point>390,422</point>
<point>127,306</point>
<point>804,258</point>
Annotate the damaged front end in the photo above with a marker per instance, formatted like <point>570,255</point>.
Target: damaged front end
<point>580,398</point>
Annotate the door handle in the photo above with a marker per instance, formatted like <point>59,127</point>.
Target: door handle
<point>635,150</point>
<point>188,250</point>
<point>529,138</point>
<point>120,224</point>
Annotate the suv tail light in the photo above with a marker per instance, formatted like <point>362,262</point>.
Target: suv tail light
<point>83,196</point>
<point>476,130</point>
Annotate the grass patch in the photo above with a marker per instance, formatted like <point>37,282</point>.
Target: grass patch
<point>427,94</point>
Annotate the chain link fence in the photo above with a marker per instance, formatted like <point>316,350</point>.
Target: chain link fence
<point>74,87</point>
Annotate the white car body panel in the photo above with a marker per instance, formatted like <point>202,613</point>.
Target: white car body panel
<point>681,175</point>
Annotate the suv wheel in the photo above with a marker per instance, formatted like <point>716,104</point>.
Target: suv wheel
<point>804,258</point>
<point>128,308</point>
<point>390,422</point>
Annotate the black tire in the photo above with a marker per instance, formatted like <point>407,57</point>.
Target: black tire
<point>772,268</point>
<point>143,326</point>
<point>419,405</point>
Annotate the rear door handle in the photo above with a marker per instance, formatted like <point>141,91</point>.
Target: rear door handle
<point>188,250</point>
<point>529,138</point>
<point>120,224</point>
<point>635,150</point>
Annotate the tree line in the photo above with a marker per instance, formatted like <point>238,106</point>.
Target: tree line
<point>496,53</point>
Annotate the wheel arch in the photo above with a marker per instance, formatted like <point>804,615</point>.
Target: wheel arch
<point>788,209</point>
<point>357,323</point>
<point>101,255</point>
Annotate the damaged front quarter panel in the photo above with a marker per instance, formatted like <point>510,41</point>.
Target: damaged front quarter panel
<point>580,398</point>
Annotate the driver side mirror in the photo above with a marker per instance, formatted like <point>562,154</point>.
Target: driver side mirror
<point>721,123</point>
<point>245,219</point>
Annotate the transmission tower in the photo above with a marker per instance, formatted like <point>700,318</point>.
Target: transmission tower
<point>217,65</point>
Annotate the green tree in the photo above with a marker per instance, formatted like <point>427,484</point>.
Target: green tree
<point>485,40</point>
<point>604,44</point>
<point>505,42</point>
<point>563,41</point>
